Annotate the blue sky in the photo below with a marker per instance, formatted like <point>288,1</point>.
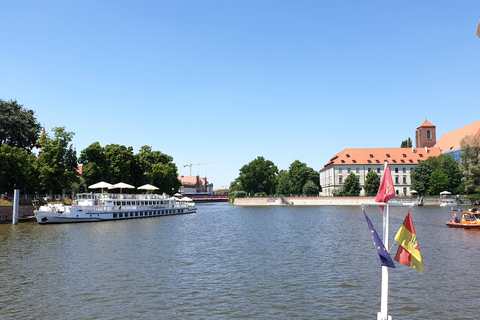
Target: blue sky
<point>229,81</point>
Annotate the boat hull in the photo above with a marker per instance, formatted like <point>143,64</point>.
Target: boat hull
<point>96,216</point>
<point>463,225</point>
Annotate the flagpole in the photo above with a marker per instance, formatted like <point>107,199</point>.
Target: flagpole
<point>383,314</point>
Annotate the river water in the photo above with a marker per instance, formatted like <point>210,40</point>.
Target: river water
<point>227,262</point>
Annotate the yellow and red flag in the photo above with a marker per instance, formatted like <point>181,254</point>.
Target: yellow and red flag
<point>408,252</point>
<point>386,191</point>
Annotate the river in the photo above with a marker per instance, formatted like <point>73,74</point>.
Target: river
<point>228,262</point>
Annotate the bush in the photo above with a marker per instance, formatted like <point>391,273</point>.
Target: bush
<point>260,194</point>
<point>473,197</point>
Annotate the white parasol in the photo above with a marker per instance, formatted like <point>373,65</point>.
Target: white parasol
<point>100,185</point>
<point>445,193</point>
<point>147,187</point>
<point>121,186</point>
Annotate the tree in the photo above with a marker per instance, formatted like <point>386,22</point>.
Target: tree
<point>300,174</point>
<point>352,184</point>
<point>450,169</point>
<point>17,170</point>
<point>159,169</point>
<point>310,188</point>
<point>122,165</point>
<point>283,183</point>
<point>18,126</point>
<point>372,183</point>
<point>94,161</point>
<point>470,164</point>
<point>421,178</point>
<point>258,176</point>
<point>406,143</point>
<point>57,162</point>
<point>439,182</point>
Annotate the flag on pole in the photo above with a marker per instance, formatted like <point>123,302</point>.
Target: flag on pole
<point>383,255</point>
<point>408,252</point>
<point>386,191</point>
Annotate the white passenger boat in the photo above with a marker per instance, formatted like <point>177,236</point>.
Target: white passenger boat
<point>90,207</point>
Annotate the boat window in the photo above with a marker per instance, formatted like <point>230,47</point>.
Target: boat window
<point>120,215</point>
<point>114,215</point>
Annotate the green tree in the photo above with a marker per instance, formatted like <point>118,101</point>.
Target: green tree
<point>352,184</point>
<point>258,176</point>
<point>17,170</point>
<point>449,168</point>
<point>236,185</point>
<point>420,177</point>
<point>159,169</point>
<point>18,126</point>
<point>372,183</point>
<point>406,143</point>
<point>300,174</point>
<point>439,182</point>
<point>94,161</point>
<point>57,163</point>
<point>470,164</point>
<point>283,183</point>
<point>122,165</point>
<point>310,188</point>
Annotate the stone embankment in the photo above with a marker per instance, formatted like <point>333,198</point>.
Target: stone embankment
<point>24,213</point>
<point>332,201</point>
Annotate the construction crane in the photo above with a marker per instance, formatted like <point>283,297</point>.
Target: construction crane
<point>196,164</point>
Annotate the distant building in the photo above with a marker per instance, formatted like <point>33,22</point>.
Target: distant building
<point>426,135</point>
<point>195,185</point>
<point>402,161</point>
<point>449,143</point>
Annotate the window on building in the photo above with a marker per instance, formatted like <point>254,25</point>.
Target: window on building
<point>354,161</point>
<point>340,170</point>
<point>402,161</point>
<point>340,179</point>
<point>404,155</point>
<point>377,161</point>
<point>429,136</point>
<point>348,156</point>
<point>404,179</point>
<point>348,170</point>
<point>357,170</point>
<point>369,169</point>
<point>388,156</point>
<point>369,161</point>
<point>411,161</point>
<point>378,170</point>
<point>343,161</point>
<point>394,161</point>
<point>371,155</point>
<point>420,155</point>
<point>404,170</point>
<point>396,180</point>
<point>396,170</point>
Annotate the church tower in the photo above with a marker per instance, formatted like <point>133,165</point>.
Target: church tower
<point>425,135</point>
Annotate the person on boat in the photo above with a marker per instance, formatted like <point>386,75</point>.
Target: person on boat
<point>455,219</point>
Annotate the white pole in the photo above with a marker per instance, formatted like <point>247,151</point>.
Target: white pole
<point>383,314</point>
<point>16,199</point>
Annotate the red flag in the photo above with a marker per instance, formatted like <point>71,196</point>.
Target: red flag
<point>386,191</point>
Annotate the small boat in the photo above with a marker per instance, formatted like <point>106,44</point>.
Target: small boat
<point>448,203</point>
<point>470,219</point>
<point>92,207</point>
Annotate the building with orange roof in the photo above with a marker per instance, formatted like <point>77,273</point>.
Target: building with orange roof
<point>402,161</point>
<point>449,143</point>
<point>426,135</point>
<point>195,185</point>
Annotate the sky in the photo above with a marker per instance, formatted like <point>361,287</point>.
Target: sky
<point>229,81</point>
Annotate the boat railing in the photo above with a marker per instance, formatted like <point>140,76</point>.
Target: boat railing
<point>116,196</point>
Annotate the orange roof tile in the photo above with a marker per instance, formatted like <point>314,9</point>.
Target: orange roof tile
<point>451,140</point>
<point>378,156</point>
<point>426,123</point>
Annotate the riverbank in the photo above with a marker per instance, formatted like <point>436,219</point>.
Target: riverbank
<point>334,201</point>
<point>25,213</point>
